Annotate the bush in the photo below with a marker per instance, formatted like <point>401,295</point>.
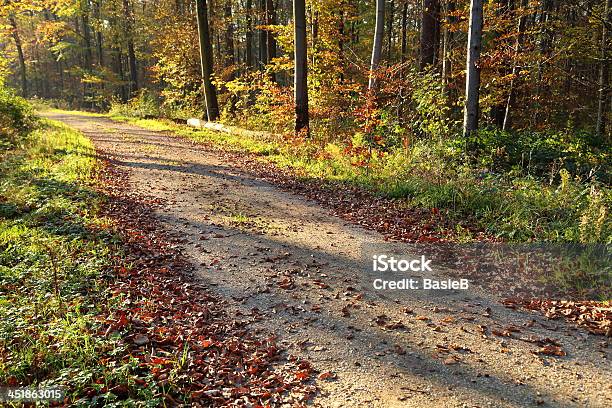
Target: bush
<point>16,118</point>
<point>541,154</point>
<point>144,105</point>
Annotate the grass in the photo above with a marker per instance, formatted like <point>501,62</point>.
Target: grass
<point>54,251</point>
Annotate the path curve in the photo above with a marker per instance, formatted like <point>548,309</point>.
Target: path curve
<point>294,270</point>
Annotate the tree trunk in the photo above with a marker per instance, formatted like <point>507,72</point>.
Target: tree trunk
<point>341,43</point>
<point>604,85</point>
<point>445,52</point>
<point>87,54</point>
<point>545,41</point>
<point>217,47</point>
<point>378,42</point>
<point>429,26</point>
<point>437,26</point>
<point>472,80</point>
<point>229,34</point>
<point>118,62</point>
<point>263,36</point>
<point>390,31</point>
<point>301,70</point>
<point>130,45</point>
<point>314,29</point>
<point>22,65</point>
<point>497,112</point>
<point>404,30</point>
<point>515,68</point>
<point>99,49</point>
<point>271,41</point>
<point>447,65</point>
<point>133,68</point>
<point>206,62</point>
<point>249,34</point>
<point>271,20</point>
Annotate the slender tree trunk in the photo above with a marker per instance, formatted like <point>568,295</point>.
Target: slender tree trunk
<point>429,26</point>
<point>206,62</point>
<point>229,34</point>
<point>60,74</point>
<point>496,114</point>
<point>604,84</point>
<point>545,40</point>
<point>390,31</point>
<point>314,30</point>
<point>263,36</point>
<point>129,18</point>
<point>271,41</point>
<point>447,45</point>
<point>87,54</point>
<point>301,67</point>
<point>341,43</point>
<point>445,59</point>
<point>118,62</point>
<point>22,65</point>
<point>378,42</point>
<point>437,27</point>
<point>515,68</point>
<point>133,68</point>
<point>472,80</point>
<point>404,30</point>
<point>217,48</point>
<point>271,20</point>
<point>249,34</point>
<point>99,49</point>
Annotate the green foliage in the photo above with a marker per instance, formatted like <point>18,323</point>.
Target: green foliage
<point>540,154</point>
<point>258,103</point>
<point>16,118</point>
<point>144,105</point>
<point>431,112</point>
<point>54,254</point>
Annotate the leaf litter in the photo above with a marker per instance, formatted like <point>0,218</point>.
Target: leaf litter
<point>179,333</point>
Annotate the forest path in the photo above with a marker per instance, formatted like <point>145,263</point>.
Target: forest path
<point>292,269</point>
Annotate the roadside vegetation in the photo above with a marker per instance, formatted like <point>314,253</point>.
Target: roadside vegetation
<point>54,252</point>
<point>76,311</point>
<point>517,187</point>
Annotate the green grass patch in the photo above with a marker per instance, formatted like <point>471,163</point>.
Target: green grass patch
<point>54,251</point>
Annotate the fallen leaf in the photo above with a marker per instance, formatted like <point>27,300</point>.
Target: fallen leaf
<point>326,375</point>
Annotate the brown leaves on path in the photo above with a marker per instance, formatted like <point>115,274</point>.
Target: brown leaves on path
<point>596,317</point>
<point>180,333</point>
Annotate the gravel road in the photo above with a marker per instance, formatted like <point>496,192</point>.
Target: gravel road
<point>295,271</point>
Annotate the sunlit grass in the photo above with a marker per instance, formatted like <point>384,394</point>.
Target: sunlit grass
<point>52,262</point>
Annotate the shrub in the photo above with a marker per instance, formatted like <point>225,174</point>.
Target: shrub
<point>16,118</point>
<point>144,105</point>
<point>539,153</point>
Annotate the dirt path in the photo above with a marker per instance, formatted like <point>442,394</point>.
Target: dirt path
<point>294,270</point>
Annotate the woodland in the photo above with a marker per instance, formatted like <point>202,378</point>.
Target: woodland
<point>404,97</point>
<point>185,186</point>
